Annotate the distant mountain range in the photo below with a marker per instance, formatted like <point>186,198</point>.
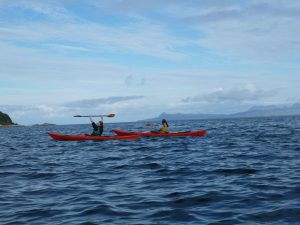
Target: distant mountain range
<point>255,111</point>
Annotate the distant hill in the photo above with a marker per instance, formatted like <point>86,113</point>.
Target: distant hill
<point>5,119</point>
<point>181,116</point>
<point>272,110</point>
<point>256,111</point>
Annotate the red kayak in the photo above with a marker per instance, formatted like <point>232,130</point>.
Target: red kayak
<point>83,137</point>
<point>159,134</point>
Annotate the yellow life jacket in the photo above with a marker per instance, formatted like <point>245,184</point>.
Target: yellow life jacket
<point>164,129</point>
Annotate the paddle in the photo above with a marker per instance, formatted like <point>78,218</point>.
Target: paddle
<point>109,115</point>
<point>149,124</point>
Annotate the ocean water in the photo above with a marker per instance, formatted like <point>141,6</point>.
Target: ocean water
<point>244,171</point>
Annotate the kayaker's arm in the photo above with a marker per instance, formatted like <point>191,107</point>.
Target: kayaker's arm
<point>150,124</point>
<point>93,124</point>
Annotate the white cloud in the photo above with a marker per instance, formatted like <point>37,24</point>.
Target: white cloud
<point>130,80</point>
<point>127,108</point>
<point>51,9</point>
<point>244,94</point>
<point>29,114</point>
<point>256,28</point>
<point>95,102</point>
<point>139,38</point>
<point>266,29</point>
<point>70,48</point>
<point>226,27</point>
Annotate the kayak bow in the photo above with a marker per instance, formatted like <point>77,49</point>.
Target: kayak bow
<point>198,133</point>
<point>82,137</point>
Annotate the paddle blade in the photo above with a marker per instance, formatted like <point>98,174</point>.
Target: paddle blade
<point>150,124</point>
<point>111,115</point>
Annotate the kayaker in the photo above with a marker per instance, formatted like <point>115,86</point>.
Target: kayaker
<point>97,127</point>
<point>165,126</point>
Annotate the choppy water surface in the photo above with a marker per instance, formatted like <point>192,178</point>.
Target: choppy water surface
<point>244,171</point>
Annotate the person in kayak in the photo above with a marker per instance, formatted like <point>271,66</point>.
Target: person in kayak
<point>97,127</point>
<point>165,126</point>
<point>163,129</point>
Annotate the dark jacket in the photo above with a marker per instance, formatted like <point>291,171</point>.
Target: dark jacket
<point>98,130</point>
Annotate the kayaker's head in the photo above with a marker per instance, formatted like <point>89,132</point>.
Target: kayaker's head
<point>164,122</point>
<point>100,123</point>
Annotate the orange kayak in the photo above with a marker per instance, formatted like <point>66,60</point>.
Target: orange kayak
<point>83,137</point>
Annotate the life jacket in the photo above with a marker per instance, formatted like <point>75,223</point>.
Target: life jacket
<point>164,129</point>
<point>98,130</point>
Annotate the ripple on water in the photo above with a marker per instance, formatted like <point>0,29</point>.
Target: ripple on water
<point>175,215</point>
<point>106,210</point>
<point>236,171</point>
<point>284,215</point>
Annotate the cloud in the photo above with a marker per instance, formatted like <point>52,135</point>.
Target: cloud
<point>136,39</point>
<point>77,31</point>
<point>237,95</point>
<point>70,47</point>
<point>125,108</point>
<point>53,10</point>
<point>261,29</point>
<point>95,102</point>
<point>255,28</point>
<point>132,81</point>
<point>23,112</point>
<point>167,6</point>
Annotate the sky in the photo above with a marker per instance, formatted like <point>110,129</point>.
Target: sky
<point>138,59</point>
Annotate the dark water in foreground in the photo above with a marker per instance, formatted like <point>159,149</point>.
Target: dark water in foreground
<point>244,171</point>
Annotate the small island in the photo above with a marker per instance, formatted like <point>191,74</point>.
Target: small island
<point>5,120</point>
